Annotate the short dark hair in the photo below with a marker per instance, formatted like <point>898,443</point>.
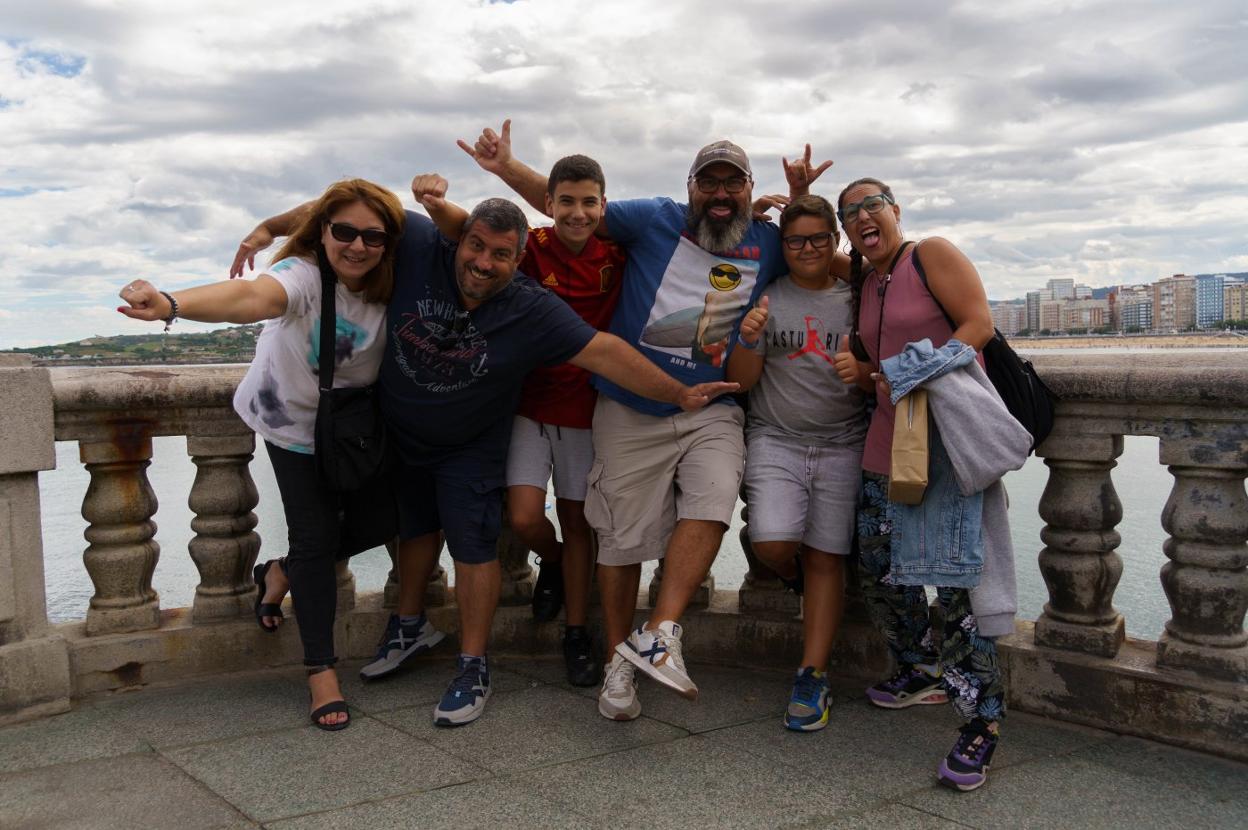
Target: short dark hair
<point>500,216</point>
<point>810,205</point>
<point>575,168</point>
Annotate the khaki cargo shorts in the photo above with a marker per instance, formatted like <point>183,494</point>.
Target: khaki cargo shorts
<point>650,471</point>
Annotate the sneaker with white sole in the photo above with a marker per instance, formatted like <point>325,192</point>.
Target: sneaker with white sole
<point>808,704</point>
<point>617,700</point>
<point>656,651</point>
<point>399,643</point>
<point>464,700</point>
<point>965,768</point>
<point>910,686</point>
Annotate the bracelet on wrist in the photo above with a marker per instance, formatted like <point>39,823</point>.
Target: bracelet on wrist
<point>748,346</point>
<point>173,309</point>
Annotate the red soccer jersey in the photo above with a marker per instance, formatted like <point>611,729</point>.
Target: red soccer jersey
<point>590,283</point>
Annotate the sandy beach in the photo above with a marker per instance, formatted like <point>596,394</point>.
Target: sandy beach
<point>1229,340</point>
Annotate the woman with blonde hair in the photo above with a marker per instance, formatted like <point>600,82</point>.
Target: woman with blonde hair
<point>353,229</point>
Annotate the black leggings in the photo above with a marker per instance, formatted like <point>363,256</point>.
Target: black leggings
<point>323,527</point>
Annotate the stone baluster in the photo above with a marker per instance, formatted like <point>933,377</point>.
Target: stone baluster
<point>1079,562</point>
<point>701,597</point>
<point>225,545</point>
<point>122,553</point>
<point>1206,579</point>
<point>518,578</point>
<point>437,592</point>
<point>762,591</point>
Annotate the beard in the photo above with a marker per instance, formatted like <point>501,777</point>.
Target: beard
<point>714,235</point>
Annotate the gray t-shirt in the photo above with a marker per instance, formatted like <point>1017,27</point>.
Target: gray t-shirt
<point>799,395</point>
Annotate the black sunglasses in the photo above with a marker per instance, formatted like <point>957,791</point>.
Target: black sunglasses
<point>347,234</point>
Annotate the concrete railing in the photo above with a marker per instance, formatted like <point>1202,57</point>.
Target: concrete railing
<point>1190,687</point>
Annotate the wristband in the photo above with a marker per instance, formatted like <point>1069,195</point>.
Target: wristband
<point>173,309</point>
<point>748,346</point>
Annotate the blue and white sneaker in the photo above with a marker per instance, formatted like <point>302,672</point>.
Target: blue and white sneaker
<point>656,651</point>
<point>398,644</point>
<point>464,700</point>
<point>808,705</point>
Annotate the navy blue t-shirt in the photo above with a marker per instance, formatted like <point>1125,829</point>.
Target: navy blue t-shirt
<point>451,376</point>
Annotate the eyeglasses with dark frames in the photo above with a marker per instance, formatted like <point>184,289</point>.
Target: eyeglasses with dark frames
<point>872,204</point>
<point>818,241</point>
<point>731,184</point>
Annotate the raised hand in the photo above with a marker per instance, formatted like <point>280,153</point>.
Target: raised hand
<point>801,174</point>
<point>145,302</point>
<point>755,322</point>
<point>765,203</point>
<point>430,190</point>
<point>847,366</point>
<point>492,150</point>
<point>252,244</point>
<point>696,397</point>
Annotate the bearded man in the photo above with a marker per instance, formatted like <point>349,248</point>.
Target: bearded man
<point>664,483</point>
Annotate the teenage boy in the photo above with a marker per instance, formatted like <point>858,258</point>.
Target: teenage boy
<point>804,437</point>
<point>551,431</point>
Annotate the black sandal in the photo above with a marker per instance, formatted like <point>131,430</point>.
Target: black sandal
<point>266,609</point>
<point>328,709</point>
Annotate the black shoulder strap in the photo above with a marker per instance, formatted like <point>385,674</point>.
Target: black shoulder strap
<point>886,279</point>
<point>918,266</point>
<point>325,371</point>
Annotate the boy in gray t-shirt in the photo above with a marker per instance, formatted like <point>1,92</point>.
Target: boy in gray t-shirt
<point>804,433</point>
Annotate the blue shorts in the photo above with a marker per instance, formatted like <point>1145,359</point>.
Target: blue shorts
<point>458,492</point>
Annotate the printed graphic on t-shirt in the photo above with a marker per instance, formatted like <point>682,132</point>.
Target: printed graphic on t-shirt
<point>269,404</point>
<point>347,338</point>
<point>438,348</point>
<point>698,301</point>
<point>815,342</point>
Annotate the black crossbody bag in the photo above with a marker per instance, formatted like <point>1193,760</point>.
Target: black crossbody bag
<point>350,433</point>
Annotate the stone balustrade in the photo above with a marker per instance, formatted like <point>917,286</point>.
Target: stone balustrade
<point>1075,662</point>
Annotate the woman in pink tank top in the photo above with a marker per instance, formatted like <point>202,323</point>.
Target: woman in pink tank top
<point>895,306</point>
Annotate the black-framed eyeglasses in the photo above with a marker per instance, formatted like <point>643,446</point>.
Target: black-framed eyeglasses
<point>731,184</point>
<point>347,233</point>
<point>872,204</point>
<point>818,241</point>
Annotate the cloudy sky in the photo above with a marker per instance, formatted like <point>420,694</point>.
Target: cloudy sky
<point>1100,140</point>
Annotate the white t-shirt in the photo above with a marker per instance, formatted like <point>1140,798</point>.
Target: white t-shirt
<point>278,395</point>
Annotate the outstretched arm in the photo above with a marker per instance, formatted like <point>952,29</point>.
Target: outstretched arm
<point>493,153</point>
<point>620,363</point>
<point>263,236</point>
<point>430,191</point>
<point>230,301</point>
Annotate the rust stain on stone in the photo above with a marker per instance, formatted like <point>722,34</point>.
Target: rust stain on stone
<point>129,437</point>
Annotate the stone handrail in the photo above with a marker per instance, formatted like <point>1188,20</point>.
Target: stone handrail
<point>1195,403</point>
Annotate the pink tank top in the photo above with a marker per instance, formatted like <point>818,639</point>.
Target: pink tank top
<point>910,314</point>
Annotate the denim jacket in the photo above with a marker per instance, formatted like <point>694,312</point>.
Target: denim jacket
<point>974,441</point>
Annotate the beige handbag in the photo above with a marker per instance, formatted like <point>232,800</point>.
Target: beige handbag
<point>908,477</point>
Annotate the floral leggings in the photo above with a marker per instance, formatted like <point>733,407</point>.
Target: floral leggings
<point>971,674</point>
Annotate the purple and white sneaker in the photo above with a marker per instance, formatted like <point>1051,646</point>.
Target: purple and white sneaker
<point>965,768</point>
<point>910,686</point>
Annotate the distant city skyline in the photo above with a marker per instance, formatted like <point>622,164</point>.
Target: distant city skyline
<point>1101,140</point>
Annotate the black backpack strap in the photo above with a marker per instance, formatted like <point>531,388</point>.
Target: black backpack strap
<point>918,266</point>
<point>325,369</point>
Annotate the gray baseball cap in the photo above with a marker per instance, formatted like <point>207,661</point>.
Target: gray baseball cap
<point>724,151</point>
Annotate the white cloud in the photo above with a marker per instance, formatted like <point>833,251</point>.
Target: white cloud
<point>1093,138</point>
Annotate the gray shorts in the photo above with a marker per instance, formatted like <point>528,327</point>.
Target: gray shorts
<point>537,449</point>
<point>799,493</point>
<point>650,471</point>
